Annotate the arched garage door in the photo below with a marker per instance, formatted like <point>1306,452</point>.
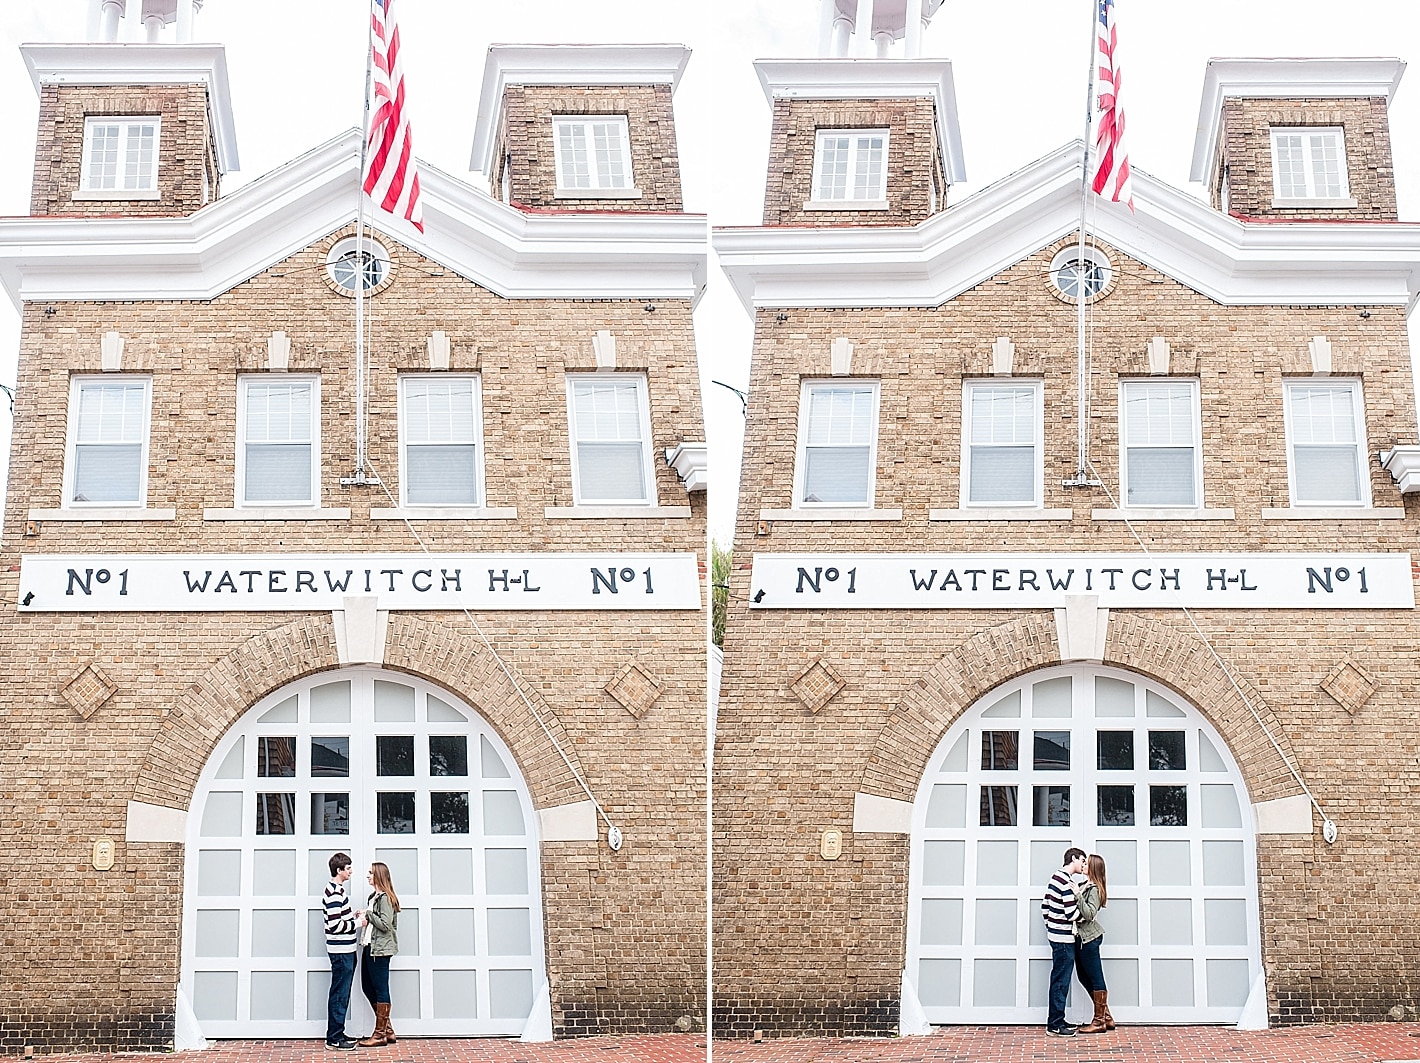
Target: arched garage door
<point>384,767</point>
<point>1107,761</point>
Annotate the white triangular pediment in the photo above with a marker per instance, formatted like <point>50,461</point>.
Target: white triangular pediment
<point>1227,260</point>
<point>512,253</point>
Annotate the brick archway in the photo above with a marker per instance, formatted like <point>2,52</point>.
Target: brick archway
<point>450,658</point>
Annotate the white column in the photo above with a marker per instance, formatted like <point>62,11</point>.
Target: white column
<point>915,25</point>
<point>110,11</point>
<point>828,10</point>
<point>186,19</point>
<point>863,28</point>
<point>842,34</point>
<point>883,40</point>
<point>154,26</point>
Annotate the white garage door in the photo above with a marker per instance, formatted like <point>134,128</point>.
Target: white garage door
<point>383,767</point>
<point>1109,762</point>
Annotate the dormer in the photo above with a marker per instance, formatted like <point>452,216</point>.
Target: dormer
<point>581,127</point>
<point>1298,139</point>
<point>141,128</point>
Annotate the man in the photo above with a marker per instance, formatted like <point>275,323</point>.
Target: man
<point>1060,915</point>
<point>340,947</point>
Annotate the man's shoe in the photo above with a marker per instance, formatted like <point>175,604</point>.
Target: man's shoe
<point>345,1044</point>
<point>1061,1031</point>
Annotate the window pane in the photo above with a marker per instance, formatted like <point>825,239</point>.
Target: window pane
<point>278,413</point>
<point>330,813</point>
<point>394,755</point>
<point>448,755</point>
<point>1290,167</point>
<point>276,813</point>
<point>998,806</point>
<point>836,474</point>
<point>442,475</point>
<point>1166,751</point>
<point>1160,477</point>
<point>611,472</point>
<point>278,473</point>
<point>1115,750</point>
<point>840,416</point>
<point>275,758</point>
<point>1002,474</point>
<point>1116,806</point>
<point>1000,750</point>
<point>394,813</point>
<point>111,413</point>
<point>1051,806</point>
<point>107,473</point>
<point>1052,751</point>
<point>1327,474</point>
<point>448,813</point>
<point>1168,806</point>
<point>1002,415</point>
<point>330,758</point>
<point>439,411</point>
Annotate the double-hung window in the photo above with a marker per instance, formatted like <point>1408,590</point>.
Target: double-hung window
<point>593,153</point>
<point>850,165</point>
<point>611,439</point>
<point>441,440</point>
<point>1002,442</point>
<point>120,155</point>
<point>1158,429</point>
<point>838,431</point>
<point>108,441</point>
<point>1309,163</point>
<point>1326,443</point>
<point>278,432</point>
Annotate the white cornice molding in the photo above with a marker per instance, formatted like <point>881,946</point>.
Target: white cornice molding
<point>1284,79</point>
<point>873,79</point>
<point>565,64</point>
<point>513,254</point>
<point>144,64</point>
<point>1231,262</point>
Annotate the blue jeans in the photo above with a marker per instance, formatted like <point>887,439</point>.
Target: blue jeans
<point>375,977</point>
<point>1088,966</point>
<point>1062,966</point>
<point>342,974</point>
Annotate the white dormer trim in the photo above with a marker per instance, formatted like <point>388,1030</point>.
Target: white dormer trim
<point>515,255</point>
<point>874,79</point>
<point>565,64</point>
<point>144,64</point>
<point>1283,79</point>
<point>1229,261</point>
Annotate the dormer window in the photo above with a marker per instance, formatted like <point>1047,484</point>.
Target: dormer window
<point>593,156</point>
<point>1309,164</point>
<point>850,166</point>
<point>120,158</point>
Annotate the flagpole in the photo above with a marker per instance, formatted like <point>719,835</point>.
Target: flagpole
<point>360,457</point>
<point>1082,475</point>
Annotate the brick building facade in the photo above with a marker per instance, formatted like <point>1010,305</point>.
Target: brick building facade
<point>965,642</point>
<point>479,656</point>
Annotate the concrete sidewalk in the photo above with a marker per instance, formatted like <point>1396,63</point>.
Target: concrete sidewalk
<point>1351,1043</point>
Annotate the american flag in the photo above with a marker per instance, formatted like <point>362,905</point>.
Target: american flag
<point>1111,157</point>
<point>391,179</point>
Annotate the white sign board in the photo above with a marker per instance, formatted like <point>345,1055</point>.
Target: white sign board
<point>317,582</point>
<point>1043,581</point>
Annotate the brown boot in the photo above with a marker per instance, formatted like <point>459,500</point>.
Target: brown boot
<point>377,1036</point>
<point>389,1030</point>
<point>1104,1003</point>
<point>1097,1024</point>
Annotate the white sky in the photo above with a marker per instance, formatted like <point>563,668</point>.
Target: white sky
<point>297,72</point>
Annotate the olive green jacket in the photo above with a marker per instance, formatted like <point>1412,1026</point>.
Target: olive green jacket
<point>1088,905</point>
<point>384,920</point>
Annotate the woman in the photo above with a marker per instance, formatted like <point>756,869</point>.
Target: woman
<point>1092,895</point>
<point>378,922</point>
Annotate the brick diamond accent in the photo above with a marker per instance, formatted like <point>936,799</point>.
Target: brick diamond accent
<point>1350,685</point>
<point>816,685</point>
<point>634,689</point>
<point>87,690</point>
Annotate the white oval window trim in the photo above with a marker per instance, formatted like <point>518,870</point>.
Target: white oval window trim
<point>1066,274</point>
<point>343,265</point>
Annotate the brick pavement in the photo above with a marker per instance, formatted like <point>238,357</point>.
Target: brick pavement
<point>1351,1043</point>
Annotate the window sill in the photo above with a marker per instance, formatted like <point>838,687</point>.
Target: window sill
<point>1334,513</point>
<point>596,193</point>
<point>1338,203</point>
<point>276,513</point>
<point>103,513</point>
<point>446,513</point>
<point>119,194</point>
<point>828,513</point>
<point>1162,513</point>
<point>846,204</point>
<point>616,512</point>
<point>1001,513</point>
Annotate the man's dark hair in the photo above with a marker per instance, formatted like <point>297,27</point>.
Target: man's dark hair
<point>1071,855</point>
<point>339,862</point>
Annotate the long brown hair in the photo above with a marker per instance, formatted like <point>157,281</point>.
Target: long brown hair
<point>1095,871</point>
<point>381,874</point>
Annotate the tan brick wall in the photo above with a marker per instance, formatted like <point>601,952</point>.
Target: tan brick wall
<point>1245,147</point>
<point>808,945</point>
<point>526,137</point>
<point>912,159</point>
<point>624,931</point>
<point>185,148</point>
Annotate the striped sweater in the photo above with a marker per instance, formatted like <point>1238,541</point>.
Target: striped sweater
<point>1059,908</point>
<point>339,919</point>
